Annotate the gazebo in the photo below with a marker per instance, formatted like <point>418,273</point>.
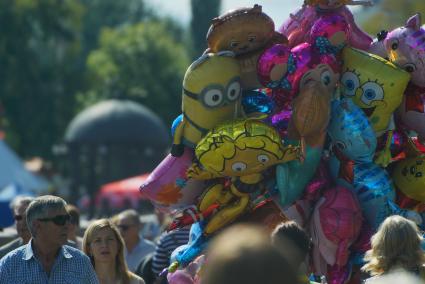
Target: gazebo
<point>113,140</point>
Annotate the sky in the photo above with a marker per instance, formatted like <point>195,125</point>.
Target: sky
<point>278,10</point>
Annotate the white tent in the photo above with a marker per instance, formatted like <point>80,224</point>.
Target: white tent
<point>12,171</point>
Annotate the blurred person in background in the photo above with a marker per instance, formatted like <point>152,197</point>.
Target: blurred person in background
<point>244,254</point>
<point>46,258</point>
<point>136,247</point>
<point>18,205</point>
<point>294,243</point>
<point>74,226</point>
<point>396,247</point>
<point>167,243</point>
<point>105,247</point>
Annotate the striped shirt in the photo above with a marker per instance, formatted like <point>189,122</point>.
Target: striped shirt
<point>71,266</point>
<point>167,243</point>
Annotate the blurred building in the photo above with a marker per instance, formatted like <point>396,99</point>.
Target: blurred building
<point>112,140</point>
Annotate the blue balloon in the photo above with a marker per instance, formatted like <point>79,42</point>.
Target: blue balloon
<point>255,101</point>
<point>197,244</point>
<point>351,163</point>
<point>292,177</point>
<point>351,132</point>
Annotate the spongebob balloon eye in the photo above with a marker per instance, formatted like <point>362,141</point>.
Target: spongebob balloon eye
<point>234,91</point>
<point>371,92</point>
<point>213,98</point>
<point>350,82</point>
<point>326,78</point>
<point>238,166</point>
<point>263,158</point>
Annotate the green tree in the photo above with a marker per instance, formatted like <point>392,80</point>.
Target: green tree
<point>203,11</point>
<point>141,62</point>
<point>39,45</point>
<point>390,14</point>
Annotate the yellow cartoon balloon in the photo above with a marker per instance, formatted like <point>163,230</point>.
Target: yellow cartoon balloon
<point>375,85</point>
<point>409,177</point>
<point>211,95</point>
<point>242,150</point>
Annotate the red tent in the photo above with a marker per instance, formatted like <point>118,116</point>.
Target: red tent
<point>122,191</point>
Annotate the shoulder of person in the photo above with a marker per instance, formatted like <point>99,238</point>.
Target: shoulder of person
<point>15,254</point>
<point>135,279</point>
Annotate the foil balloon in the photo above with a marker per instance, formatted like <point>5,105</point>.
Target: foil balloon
<point>351,165</point>
<point>273,66</point>
<point>409,177</point>
<point>256,103</point>
<point>405,47</point>
<point>241,150</point>
<point>211,95</point>
<point>246,32</point>
<point>329,34</point>
<point>335,226</point>
<point>168,186</point>
<point>298,26</point>
<point>313,85</point>
<point>374,84</point>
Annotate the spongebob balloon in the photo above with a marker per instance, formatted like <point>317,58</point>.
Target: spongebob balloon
<point>241,150</point>
<point>211,95</point>
<point>376,86</point>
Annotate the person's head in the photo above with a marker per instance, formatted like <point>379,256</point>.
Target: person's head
<point>244,254</point>
<point>129,225</point>
<point>48,220</point>
<point>103,243</point>
<point>292,241</point>
<point>74,222</point>
<point>18,206</point>
<point>397,242</point>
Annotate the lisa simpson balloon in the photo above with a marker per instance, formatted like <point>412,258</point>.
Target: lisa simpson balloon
<point>211,95</point>
<point>241,150</point>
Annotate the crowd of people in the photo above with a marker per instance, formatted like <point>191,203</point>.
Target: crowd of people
<point>49,249</point>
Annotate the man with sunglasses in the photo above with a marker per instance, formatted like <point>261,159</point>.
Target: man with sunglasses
<point>18,206</point>
<point>46,258</point>
<point>136,247</point>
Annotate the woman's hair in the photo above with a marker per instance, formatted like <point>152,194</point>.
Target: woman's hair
<point>397,242</point>
<point>121,266</point>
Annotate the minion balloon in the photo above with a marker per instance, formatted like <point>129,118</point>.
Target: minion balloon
<point>376,86</point>
<point>211,95</point>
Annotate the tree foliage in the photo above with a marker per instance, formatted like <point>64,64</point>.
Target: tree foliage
<point>390,14</point>
<point>203,11</point>
<point>141,62</point>
<point>39,45</point>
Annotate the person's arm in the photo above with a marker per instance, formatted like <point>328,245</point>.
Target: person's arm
<point>4,271</point>
<point>161,257</point>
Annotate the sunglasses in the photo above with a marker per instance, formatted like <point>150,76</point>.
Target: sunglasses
<point>18,217</point>
<point>59,220</point>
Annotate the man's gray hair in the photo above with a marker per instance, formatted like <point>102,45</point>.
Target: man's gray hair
<point>40,208</point>
<point>130,214</point>
<point>20,200</point>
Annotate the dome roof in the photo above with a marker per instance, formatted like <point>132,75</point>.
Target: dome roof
<point>120,122</point>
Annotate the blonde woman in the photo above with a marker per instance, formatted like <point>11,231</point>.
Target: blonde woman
<point>104,245</point>
<point>395,247</point>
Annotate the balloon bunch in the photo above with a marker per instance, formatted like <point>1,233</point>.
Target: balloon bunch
<point>304,123</point>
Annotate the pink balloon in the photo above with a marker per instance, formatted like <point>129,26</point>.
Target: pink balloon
<point>297,28</point>
<point>275,55</point>
<point>168,187</point>
<point>335,226</point>
<point>307,58</point>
